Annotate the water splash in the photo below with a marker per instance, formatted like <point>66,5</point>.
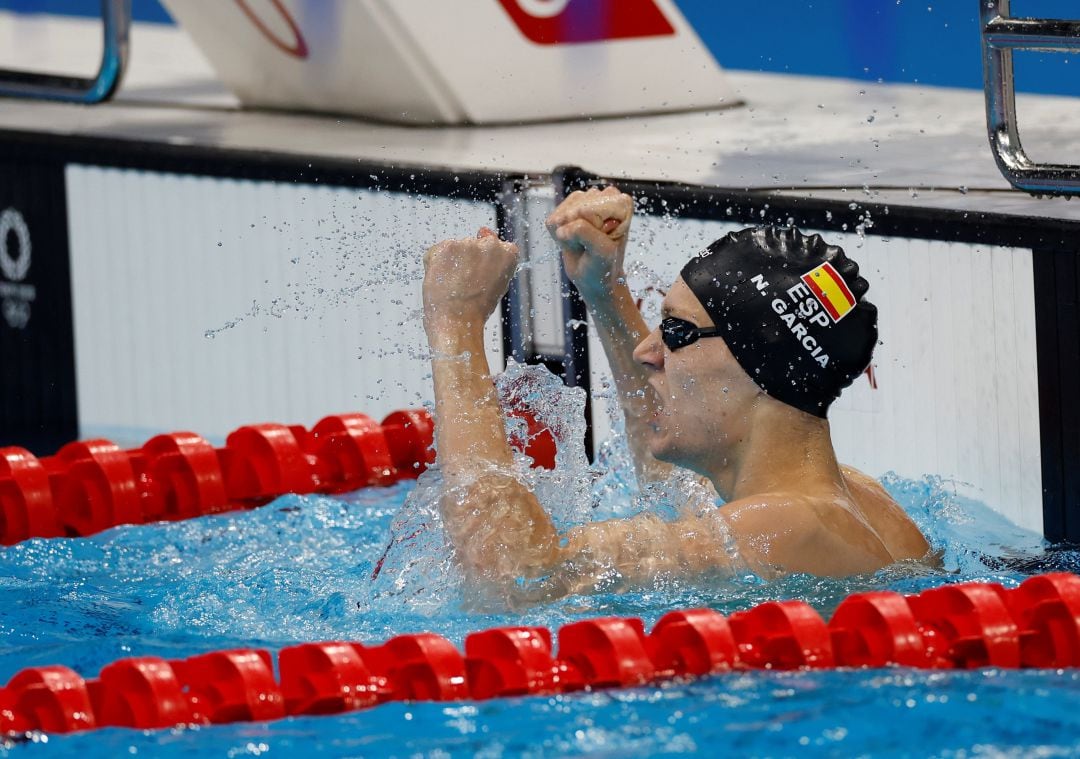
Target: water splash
<point>418,562</point>
<point>416,569</point>
<point>532,391</point>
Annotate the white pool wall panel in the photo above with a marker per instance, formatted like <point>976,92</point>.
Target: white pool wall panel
<point>205,304</point>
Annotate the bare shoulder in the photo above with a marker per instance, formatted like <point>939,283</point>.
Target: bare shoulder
<point>779,533</point>
<point>864,483</point>
<point>888,519</point>
<point>776,532</point>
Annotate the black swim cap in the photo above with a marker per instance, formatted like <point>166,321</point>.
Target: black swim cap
<point>791,311</point>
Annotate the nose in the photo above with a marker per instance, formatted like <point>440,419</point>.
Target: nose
<point>650,351</point>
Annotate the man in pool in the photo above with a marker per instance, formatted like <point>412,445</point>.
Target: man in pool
<point>760,333</point>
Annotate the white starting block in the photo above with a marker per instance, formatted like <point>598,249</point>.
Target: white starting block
<point>457,61</point>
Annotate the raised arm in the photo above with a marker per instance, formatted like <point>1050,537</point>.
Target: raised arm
<point>463,281</point>
<point>498,528</point>
<point>591,228</point>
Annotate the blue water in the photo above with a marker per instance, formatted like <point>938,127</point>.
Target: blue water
<point>301,569</point>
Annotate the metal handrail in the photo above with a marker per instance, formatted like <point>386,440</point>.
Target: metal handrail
<point>116,18</point>
<point>1000,36</point>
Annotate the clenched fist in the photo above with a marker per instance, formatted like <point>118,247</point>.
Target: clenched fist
<point>464,280</point>
<point>591,227</point>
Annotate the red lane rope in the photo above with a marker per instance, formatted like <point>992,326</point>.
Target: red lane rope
<point>92,485</point>
<point>960,626</point>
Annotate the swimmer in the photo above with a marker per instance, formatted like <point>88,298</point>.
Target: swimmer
<point>759,334</point>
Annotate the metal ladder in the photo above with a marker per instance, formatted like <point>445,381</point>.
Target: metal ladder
<point>116,23</point>
<point>1001,34</point>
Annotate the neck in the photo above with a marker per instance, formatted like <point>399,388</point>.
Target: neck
<point>785,449</point>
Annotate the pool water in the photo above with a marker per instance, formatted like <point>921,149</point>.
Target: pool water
<point>373,564</point>
<point>301,569</point>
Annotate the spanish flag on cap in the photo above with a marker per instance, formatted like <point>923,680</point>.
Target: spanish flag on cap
<point>831,289</point>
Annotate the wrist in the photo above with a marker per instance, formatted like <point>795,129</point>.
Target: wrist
<point>448,319</point>
<point>603,288</point>
<point>608,295</point>
<point>454,340</point>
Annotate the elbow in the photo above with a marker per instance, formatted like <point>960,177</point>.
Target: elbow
<point>499,532</point>
<point>492,556</point>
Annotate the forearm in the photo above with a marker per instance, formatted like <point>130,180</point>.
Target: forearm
<point>621,327</point>
<point>641,549</point>
<point>469,432</point>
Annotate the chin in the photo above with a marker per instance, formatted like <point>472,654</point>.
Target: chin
<point>656,447</point>
<point>659,456</point>
<point>663,449</point>
<point>670,451</point>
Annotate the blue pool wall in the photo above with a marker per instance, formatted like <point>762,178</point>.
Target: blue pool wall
<point>933,42</point>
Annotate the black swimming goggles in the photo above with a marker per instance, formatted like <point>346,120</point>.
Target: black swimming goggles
<point>679,333</point>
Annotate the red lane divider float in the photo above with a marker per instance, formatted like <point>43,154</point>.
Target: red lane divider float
<point>92,485</point>
<point>960,626</point>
